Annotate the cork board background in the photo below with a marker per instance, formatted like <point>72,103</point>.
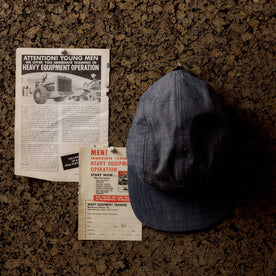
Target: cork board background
<point>230,45</point>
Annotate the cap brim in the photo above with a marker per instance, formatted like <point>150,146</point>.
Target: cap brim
<point>176,212</point>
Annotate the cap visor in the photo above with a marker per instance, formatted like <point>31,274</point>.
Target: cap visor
<point>175,212</point>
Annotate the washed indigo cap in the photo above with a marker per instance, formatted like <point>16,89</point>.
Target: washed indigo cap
<point>177,150</point>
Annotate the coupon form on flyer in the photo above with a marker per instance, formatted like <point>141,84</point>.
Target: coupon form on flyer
<point>105,212</point>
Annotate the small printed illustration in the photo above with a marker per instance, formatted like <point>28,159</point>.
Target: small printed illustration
<point>89,91</point>
<point>122,182</point>
<point>27,88</point>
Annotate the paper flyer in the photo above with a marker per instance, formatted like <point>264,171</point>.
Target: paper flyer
<point>61,105</point>
<point>105,212</point>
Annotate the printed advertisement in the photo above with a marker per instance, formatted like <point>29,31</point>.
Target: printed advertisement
<point>61,105</point>
<point>105,212</point>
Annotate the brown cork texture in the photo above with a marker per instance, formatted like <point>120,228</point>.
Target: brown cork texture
<point>230,45</point>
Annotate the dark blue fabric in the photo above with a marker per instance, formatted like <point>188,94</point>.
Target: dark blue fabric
<point>175,212</point>
<point>176,149</point>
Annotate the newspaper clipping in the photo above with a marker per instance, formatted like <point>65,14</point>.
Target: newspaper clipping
<point>105,212</point>
<point>61,104</point>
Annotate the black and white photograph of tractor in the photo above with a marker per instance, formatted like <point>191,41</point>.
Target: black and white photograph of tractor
<point>57,88</point>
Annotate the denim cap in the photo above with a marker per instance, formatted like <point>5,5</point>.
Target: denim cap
<point>176,150</point>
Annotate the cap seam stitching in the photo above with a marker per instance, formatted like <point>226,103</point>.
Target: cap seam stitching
<point>177,117</point>
<point>144,145</point>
